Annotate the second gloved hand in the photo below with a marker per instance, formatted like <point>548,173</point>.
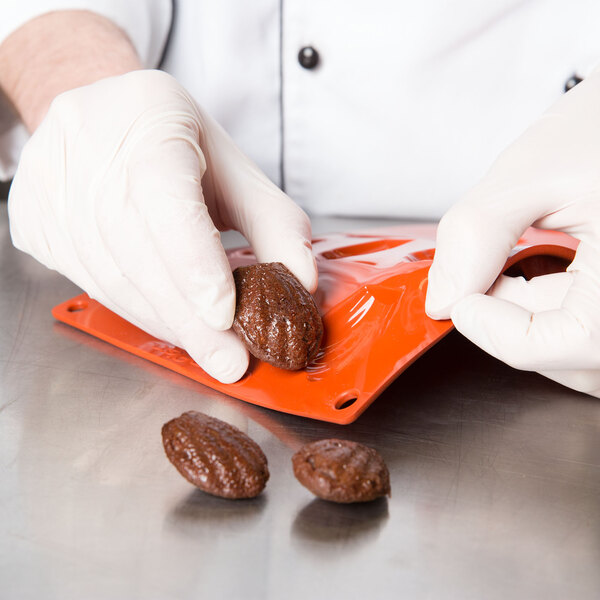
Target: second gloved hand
<point>549,178</point>
<point>123,188</point>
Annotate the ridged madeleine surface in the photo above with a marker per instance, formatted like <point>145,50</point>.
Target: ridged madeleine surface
<point>275,317</point>
<point>215,456</point>
<point>342,471</point>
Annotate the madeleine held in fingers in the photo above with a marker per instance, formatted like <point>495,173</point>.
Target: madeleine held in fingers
<point>548,178</point>
<point>124,187</point>
<point>276,317</point>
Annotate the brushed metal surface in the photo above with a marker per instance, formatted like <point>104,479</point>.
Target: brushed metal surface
<point>495,477</point>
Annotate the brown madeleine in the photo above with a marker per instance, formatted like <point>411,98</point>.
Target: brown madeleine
<point>342,471</point>
<point>215,456</point>
<point>275,317</point>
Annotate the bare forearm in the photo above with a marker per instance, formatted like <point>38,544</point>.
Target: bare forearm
<point>60,51</point>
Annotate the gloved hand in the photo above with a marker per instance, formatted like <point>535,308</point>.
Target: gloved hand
<point>549,178</point>
<point>123,188</point>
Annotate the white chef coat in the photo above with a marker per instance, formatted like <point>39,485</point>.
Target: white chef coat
<point>409,103</point>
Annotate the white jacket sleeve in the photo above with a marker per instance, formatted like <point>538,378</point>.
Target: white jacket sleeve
<point>146,22</point>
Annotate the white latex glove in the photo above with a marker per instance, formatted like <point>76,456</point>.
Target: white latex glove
<point>549,178</point>
<point>123,189</point>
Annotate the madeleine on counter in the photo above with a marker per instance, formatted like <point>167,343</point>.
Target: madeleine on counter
<point>215,456</point>
<point>342,471</point>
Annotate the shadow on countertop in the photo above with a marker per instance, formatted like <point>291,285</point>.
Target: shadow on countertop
<point>327,522</point>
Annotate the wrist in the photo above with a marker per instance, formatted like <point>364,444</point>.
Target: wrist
<point>57,52</point>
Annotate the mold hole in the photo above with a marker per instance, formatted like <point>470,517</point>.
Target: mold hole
<point>344,402</point>
<point>77,307</point>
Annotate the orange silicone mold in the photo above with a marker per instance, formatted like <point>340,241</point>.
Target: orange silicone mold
<point>371,295</point>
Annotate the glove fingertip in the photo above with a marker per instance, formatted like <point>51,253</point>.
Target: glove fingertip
<point>227,364</point>
<point>497,326</point>
<point>296,254</point>
<point>213,297</point>
<point>304,267</point>
<point>465,313</point>
<point>439,299</point>
<point>219,315</point>
<point>435,310</point>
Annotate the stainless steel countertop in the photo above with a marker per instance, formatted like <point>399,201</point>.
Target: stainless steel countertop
<point>495,478</point>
